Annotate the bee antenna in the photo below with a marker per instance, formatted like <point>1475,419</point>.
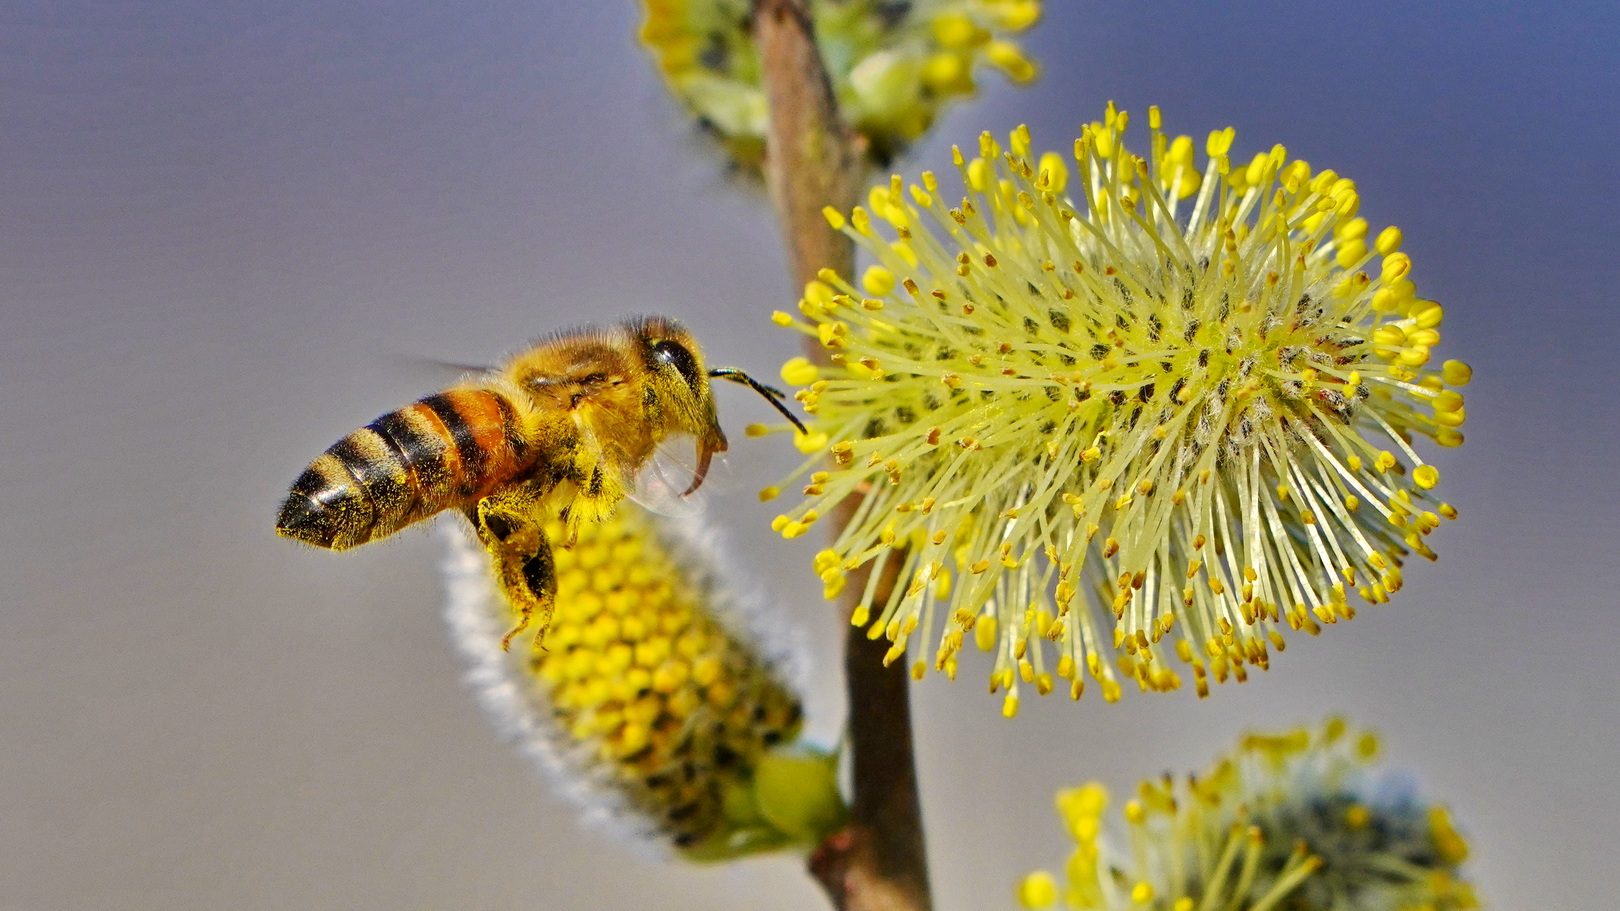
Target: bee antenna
<point>772,395</point>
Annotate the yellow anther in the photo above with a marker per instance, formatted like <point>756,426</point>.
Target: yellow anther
<point>1426,338</point>
<point>1413,357</point>
<point>810,443</point>
<point>860,220</point>
<point>980,175</point>
<point>1427,314</point>
<point>1018,15</point>
<point>1005,56</point>
<point>877,281</point>
<point>984,632</point>
<point>1054,173</point>
<point>1038,890</point>
<point>1351,229</point>
<point>1396,266</point>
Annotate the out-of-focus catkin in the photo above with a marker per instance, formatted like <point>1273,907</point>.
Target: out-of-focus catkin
<point>652,706</point>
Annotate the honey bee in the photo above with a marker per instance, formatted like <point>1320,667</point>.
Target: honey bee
<point>562,429</point>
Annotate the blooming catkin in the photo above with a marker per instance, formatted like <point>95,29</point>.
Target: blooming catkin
<point>893,66</point>
<point>1113,398</point>
<point>652,709</point>
<point>1292,821</point>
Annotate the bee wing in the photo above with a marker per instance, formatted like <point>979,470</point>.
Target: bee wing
<point>442,371</point>
<point>661,483</point>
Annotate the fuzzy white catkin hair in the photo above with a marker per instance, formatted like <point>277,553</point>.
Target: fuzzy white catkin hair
<point>654,697</point>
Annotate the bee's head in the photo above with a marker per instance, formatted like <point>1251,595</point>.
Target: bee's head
<point>677,368</point>
<point>681,383</point>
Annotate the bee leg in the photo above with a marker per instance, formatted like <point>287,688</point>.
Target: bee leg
<point>517,544</point>
<point>598,496</point>
<point>539,576</point>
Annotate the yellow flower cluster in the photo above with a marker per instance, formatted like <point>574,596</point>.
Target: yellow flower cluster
<point>894,66</point>
<point>1110,398</point>
<point>654,711</point>
<point>1287,821</point>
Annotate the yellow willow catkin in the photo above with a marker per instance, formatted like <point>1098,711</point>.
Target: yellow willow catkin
<point>894,66</point>
<point>1298,820</point>
<point>1141,415</point>
<point>652,709</point>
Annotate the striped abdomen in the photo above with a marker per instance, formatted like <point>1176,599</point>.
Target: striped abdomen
<point>450,449</point>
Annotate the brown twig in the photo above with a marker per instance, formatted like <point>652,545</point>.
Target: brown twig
<point>810,158</point>
<point>877,863</point>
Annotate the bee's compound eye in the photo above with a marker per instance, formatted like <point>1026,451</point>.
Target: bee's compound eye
<point>674,354</point>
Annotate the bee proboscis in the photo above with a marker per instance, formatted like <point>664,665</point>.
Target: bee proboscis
<point>561,429</point>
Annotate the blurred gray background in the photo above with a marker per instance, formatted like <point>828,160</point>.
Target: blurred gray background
<point>234,231</point>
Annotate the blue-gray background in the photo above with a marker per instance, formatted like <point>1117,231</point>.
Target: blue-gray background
<point>233,231</point>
